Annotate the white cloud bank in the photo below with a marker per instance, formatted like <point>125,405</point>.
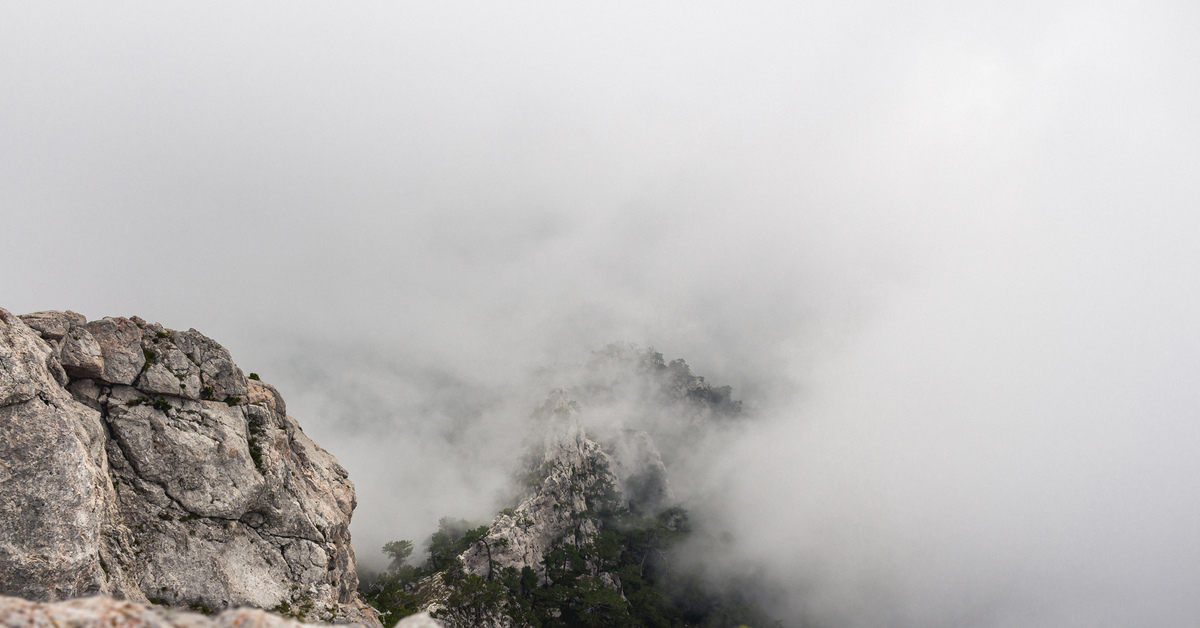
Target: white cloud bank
<point>946,252</point>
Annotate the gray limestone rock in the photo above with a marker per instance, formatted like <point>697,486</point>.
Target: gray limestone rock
<point>103,611</point>
<point>53,476</point>
<point>198,452</point>
<point>169,370</point>
<point>569,479</point>
<point>80,354</point>
<point>120,343</point>
<point>141,483</point>
<point>53,325</point>
<point>220,377</point>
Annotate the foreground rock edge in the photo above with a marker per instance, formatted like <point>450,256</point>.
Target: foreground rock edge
<point>140,462</point>
<point>104,612</point>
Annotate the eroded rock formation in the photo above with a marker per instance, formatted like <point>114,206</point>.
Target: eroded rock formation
<point>103,612</point>
<point>140,462</point>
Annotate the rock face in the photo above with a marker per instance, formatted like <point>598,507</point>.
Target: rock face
<point>105,611</point>
<point>569,477</point>
<point>571,483</point>
<point>140,462</point>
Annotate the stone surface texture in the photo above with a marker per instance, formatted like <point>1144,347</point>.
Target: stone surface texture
<point>140,462</point>
<point>106,612</point>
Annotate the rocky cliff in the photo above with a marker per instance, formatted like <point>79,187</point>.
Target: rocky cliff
<point>570,481</point>
<point>594,536</point>
<point>594,501</point>
<point>140,462</point>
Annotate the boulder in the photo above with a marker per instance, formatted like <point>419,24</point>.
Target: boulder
<point>157,472</point>
<point>106,612</point>
<point>120,342</point>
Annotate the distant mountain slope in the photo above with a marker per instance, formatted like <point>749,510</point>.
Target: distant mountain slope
<point>588,540</point>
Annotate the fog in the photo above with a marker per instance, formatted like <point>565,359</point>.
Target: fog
<point>945,254</point>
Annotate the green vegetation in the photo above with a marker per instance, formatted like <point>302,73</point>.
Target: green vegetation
<point>254,376</point>
<point>232,400</point>
<point>304,606</point>
<point>252,443</point>
<point>399,551</point>
<point>578,588</point>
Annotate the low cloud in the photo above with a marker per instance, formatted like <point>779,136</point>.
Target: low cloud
<point>944,255</point>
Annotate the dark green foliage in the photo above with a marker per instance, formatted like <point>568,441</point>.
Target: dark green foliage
<point>300,611</point>
<point>161,404</point>
<point>150,356</point>
<point>472,600</point>
<point>394,592</point>
<point>232,400</point>
<point>400,551</point>
<point>254,376</point>
<point>252,443</point>
<point>162,334</point>
<point>206,393</point>
<point>452,538</point>
<point>574,593</point>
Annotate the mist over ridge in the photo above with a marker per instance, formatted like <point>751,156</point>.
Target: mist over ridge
<point>944,255</point>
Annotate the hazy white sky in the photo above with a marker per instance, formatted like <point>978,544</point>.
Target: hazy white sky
<point>945,251</point>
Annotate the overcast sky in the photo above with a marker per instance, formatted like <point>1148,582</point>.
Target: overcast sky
<point>945,252</point>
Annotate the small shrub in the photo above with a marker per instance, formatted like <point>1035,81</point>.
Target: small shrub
<point>254,376</point>
<point>233,400</point>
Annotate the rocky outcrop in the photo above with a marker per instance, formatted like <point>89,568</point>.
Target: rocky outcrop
<point>569,478</point>
<point>572,484</point>
<point>140,462</point>
<point>105,612</point>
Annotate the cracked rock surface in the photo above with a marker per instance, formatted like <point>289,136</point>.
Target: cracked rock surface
<point>105,612</point>
<point>140,462</point>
